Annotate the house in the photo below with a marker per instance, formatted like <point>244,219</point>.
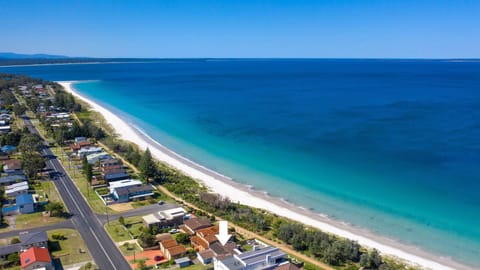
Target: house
<point>266,258</point>
<point>204,238</point>
<point>12,166</point>
<point>5,129</point>
<point>110,162</point>
<point>25,203</point>
<point>88,151</point>
<point>35,239</point>
<point>175,252</point>
<point>80,145</point>
<point>4,156</point>
<point>8,148</point>
<point>166,244</point>
<point>93,158</point>
<point>166,218</point>
<point>194,224</point>
<point>205,256</point>
<point>126,190</point>
<point>36,258</point>
<point>115,175</point>
<point>16,189</point>
<point>7,250</point>
<point>182,262</point>
<point>287,266</point>
<point>78,140</point>
<point>11,179</point>
<point>163,236</point>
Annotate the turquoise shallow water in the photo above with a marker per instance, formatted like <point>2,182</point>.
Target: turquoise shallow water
<point>392,146</point>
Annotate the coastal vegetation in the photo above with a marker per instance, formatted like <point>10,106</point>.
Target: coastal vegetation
<point>328,248</point>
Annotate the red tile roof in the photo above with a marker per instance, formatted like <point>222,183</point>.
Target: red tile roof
<point>33,255</point>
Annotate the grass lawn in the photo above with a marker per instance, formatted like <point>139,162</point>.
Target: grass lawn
<point>199,267</point>
<point>117,231</point>
<point>71,250</point>
<point>129,251</point>
<point>27,221</point>
<point>49,188</point>
<point>157,196</point>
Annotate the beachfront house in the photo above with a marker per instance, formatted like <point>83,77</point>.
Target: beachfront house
<point>126,190</point>
<point>88,151</point>
<point>264,259</point>
<point>94,158</point>
<point>166,218</point>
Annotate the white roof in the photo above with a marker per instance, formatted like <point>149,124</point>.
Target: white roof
<point>174,212</point>
<point>125,183</point>
<point>90,149</point>
<point>151,219</point>
<point>96,155</point>
<point>16,187</point>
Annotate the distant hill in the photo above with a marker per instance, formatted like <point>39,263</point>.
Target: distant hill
<point>10,55</point>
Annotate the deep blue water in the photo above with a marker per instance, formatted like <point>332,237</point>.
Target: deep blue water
<point>392,146</point>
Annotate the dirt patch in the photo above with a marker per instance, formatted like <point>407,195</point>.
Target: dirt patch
<point>121,207</point>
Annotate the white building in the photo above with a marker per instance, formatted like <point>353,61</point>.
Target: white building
<point>16,189</point>
<point>261,259</point>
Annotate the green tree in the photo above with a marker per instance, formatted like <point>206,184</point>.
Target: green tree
<point>15,240</point>
<point>147,240</point>
<point>141,265</point>
<point>147,166</point>
<point>18,109</point>
<point>56,209</point>
<point>121,220</point>
<point>14,258</point>
<point>182,238</point>
<point>32,163</point>
<point>88,172</point>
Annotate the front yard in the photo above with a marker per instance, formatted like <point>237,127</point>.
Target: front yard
<point>70,249</point>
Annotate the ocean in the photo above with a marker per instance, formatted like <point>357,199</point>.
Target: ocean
<point>392,146</point>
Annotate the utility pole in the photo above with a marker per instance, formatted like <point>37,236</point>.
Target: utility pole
<point>106,211</point>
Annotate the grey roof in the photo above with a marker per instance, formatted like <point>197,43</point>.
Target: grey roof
<point>257,256</point>
<point>117,176</point>
<point>12,179</point>
<point>9,249</point>
<point>218,249</point>
<point>128,190</point>
<point>27,238</point>
<point>182,260</point>
<point>232,263</point>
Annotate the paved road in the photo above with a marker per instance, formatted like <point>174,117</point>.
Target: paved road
<point>67,224</point>
<point>103,250</point>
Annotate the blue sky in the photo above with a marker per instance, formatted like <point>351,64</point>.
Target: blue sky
<point>324,29</point>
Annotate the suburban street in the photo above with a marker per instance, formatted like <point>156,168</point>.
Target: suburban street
<point>67,224</point>
<point>103,250</point>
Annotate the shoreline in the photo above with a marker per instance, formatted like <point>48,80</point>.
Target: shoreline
<point>244,194</point>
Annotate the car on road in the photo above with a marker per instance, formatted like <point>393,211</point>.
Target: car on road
<point>161,202</point>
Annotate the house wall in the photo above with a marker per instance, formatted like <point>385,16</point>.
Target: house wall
<point>27,208</point>
<point>37,265</point>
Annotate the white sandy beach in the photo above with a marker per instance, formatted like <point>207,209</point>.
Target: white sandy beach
<point>241,193</point>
